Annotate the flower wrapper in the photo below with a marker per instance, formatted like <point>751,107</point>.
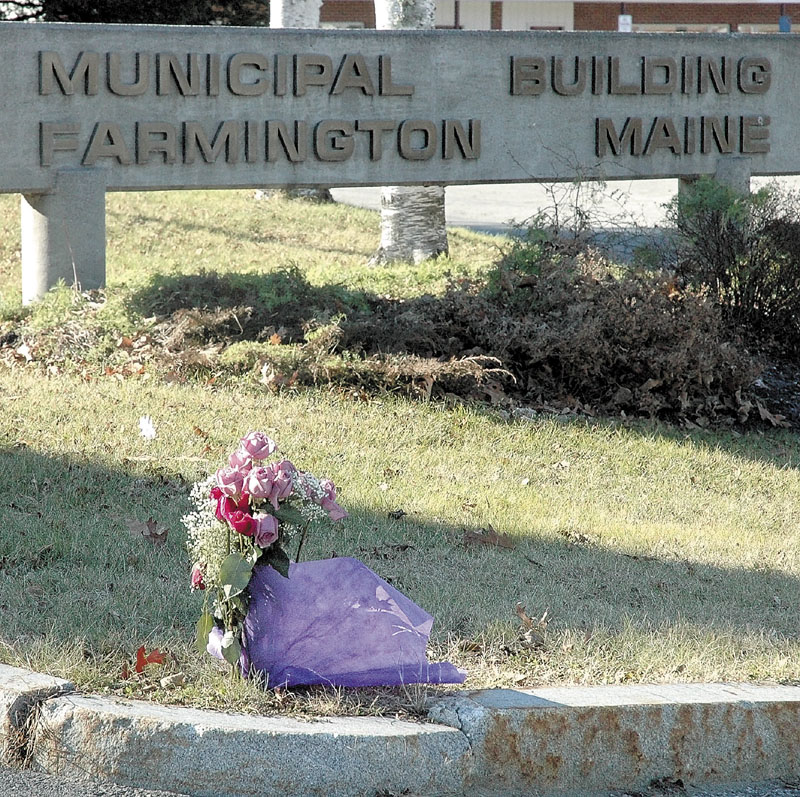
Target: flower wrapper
<point>336,622</point>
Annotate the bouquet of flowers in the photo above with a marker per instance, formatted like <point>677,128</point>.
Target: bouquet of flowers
<point>245,514</point>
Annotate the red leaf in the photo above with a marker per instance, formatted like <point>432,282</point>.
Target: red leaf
<point>142,660</point>
<point>126,673</point>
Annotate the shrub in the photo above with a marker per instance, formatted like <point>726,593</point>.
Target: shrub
<point>745,248</point>
<point>578,334</point>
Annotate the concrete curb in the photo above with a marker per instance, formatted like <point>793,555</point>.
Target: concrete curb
<point>21,692</point>
<point>207,754</point>
<point>555,741</point>
<point>592,740</point>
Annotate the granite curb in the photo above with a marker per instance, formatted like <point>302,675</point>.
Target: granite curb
<point>21,693</point>
<point>550,741</point>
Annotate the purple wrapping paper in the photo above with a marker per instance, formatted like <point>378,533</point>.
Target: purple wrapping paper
<point>335,622</point>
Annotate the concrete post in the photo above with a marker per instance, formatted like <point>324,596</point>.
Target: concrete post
<point>732,171</point>
<point>64,234</point>
<point>735,173</point>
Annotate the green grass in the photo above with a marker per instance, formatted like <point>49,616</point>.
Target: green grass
<point>660,555</point>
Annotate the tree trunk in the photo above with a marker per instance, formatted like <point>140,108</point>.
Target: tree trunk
<point>295,14</point>
<point>412,218</point>
<point>412,224</point>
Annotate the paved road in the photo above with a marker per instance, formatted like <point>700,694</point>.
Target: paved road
<point>16,783</point>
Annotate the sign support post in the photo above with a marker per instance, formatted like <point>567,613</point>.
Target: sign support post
<point>64,234</point>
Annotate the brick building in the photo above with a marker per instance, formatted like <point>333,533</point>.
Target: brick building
<point>711,17</point>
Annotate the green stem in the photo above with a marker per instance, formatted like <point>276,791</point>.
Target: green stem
<point>300,544</point>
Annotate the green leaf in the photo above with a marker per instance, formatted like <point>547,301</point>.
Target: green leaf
<point>204,626</point>
<point>277,558</point>
<point>231,649</point>
<point>235,574</point>
<point>290,515</point>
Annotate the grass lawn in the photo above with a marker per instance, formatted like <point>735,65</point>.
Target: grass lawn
<point>658,554</point>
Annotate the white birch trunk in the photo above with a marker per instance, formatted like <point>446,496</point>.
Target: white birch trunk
<point>294,13</point>
<point>412,218</point>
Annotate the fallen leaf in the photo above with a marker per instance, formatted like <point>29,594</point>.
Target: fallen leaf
<point>532,631</point>
<point>275,339</point>
<point>494,390</point>
<point>488,536</point>
<point>149,530</point>
<point>199,432</point>
<point>651,384</point>
<point>397,514</point>
<point>775,419</point>
<point>142,659</point>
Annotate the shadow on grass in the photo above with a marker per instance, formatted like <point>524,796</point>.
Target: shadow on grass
<point>248,307</point>
<point>282,298</point>
<point>73,572</point>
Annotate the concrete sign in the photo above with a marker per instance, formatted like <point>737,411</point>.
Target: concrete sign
<point>183,107</point>
<point>94,108</point>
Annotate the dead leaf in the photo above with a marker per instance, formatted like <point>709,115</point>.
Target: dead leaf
<point>651,384</point>
<point>149,530</point>
<point>199,432</point>
<point>494,390</point>
<point>424,385</point>
<point>398,514</point>
<point>275,339</point>
<point>142,659</point>
<point>775,419</point>
<point>124,343</point>
<point>532,631</point>
<point>488,536</point>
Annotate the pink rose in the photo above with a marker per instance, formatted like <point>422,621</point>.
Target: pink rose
<point>266,530</point>
<point>257,445</point>
<point>329,488</point>
<point>197,578</point>
<point>230,480</point>
<point>259,482</point>
<point>335,512</point>
<point>240,460</point>
<point>282,473</point>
